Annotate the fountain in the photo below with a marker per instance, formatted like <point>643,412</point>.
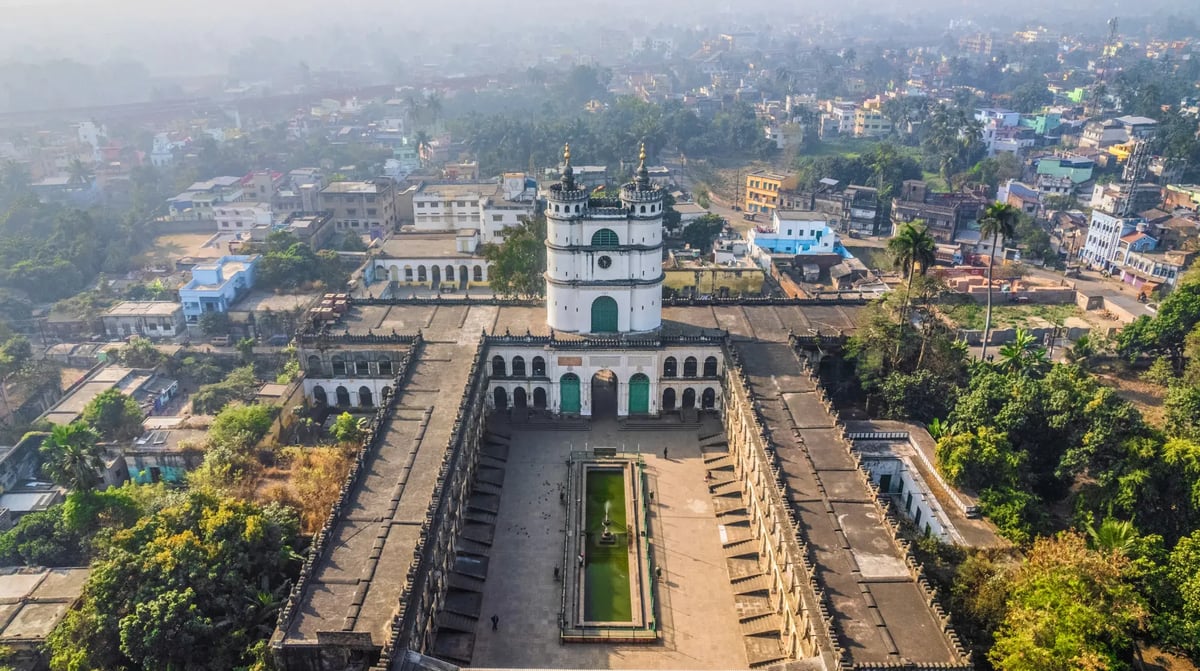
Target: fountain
<point>607,537</point>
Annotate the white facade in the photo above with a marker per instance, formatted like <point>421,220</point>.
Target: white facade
<point>239,217</point>
<point>484,206</point>
<point>604,256</point>
<point>1104,232</point>
<point>677,377</point>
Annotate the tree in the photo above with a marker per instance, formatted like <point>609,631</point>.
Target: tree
<point>214,323</point>
<point>79,173</point>
<point>1069,608</point>
<point>114,415</point>
<point>981,459</point>
<point>71,457</point>
<point>1023,356</point>
<point>177,589</point>
<point>348,429</point>
<point>922,395</point>
<point>701,233</point>
<point>1178,620</point>
<point>911,248</point>
<point>998,223</point>
<point>239,385</point>
<point>1183,411</point>
<point>1030,97</point>
<point>140,353</point>
<point>518,263</point>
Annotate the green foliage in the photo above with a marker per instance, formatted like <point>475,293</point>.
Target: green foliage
<point>230,460</point>
<point>979,460</point>
<point>348,429</point>
<point>517,264</point>
<point>995,170</point>
<point>140,353</point>
<point>66,534</point>
<point>199,368</point>
<point>1015,512</point>
<point>1068,609</point>
<point>214,323</point>
<point>1166,333</point>
<point>921,395</point>
<point>114,415</point>
<point>881,166</point>
<point>239,385</point>
<point>671,216</point>
<point>288,264</point>
<point>193,585</point>
<point>701,233</point>
<point>290,371</point>
<point>1023,356</point>
<point>1183,411</point>
<point>1030,97</point>
<point>71,458</point>
<point>241,425</point>
<point>1177,619</point>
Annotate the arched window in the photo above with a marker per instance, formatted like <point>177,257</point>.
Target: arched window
<point>343,397</point>
<point>364,397</point>
<point>708,400</point>
<point>408,273</point>
<point>314,365</point>
<point>385,366</point>
<point>519,398</point>
<point>710,367</point>
<point>539,398</point>
<point>539,367</point>
<point>477,274</point>
<point>498,367</point>
<point>319,396</point>
<point>340,366</point>
<point>421,277</point>
<point>361,365</point>
<point>689,398</point>
<point>449,273</point>
<point>689,367</point>
<point>605,237</point>
<point>670,367</point>
<point>501,398</point>
<point>643,210</point>
<point>668,399</point>
<point>518,368</point>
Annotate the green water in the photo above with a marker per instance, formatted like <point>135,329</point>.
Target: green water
<point>606,575</point>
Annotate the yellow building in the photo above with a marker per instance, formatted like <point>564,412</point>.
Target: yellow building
<point>869,120</point>
<point>763,189</point>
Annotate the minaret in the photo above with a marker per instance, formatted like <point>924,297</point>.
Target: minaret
<point>604,256</point>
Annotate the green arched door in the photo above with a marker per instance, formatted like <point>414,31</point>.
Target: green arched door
<point>604,315</point>
<point>568,389</point>
<point>639,395</point>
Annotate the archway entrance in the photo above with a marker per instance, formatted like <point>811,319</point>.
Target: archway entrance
<point>639,395</point>
<point>689,398</point>
<point>568,392</point>
<point>520,400</point>
<point>462,277</point>
<point>437,276</point>
<point>500,397</point>
<point>668,402</point>
<point>604,394</point>
<point>604,315</point>
<point>539,398</point>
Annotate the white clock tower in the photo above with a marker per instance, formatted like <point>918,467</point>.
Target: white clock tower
<point>604,256</point>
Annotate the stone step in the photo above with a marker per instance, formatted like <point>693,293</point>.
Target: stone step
<point>762,625</point>
<point>656,426</point>
<point>725,487</point>
<point>751,584</point>
<point>456,647</point>
<point>751,606</point>
<point>743,567</point>
<point>467,546</point>
<point>456,622</point>
<point>724,505</point>
<point>484,501</point>
<point>480,533</point>
<point>486,488</point>
<point>718,460</point>
<point>483,516</point>
<point>495,451</point>
<point>463,602</point>
<point>490,474</point>
<point>742,548</point>
<point>763,651</point>
<point>465,583</point>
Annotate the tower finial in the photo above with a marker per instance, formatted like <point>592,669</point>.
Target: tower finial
<point>642,178</point>
<point>567,153</point>
<point>642,154</point>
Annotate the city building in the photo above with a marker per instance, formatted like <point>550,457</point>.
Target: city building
<point>945,214</point>
<point>1062,175</point>
<point>217,285</point>
<point>1124,199</point>
<point>34,600</point>
<point>440,260</point>
<point>262,185</point>
<point>486,207</point>
<point>869,120</point>
<point>794,233</point>
<point>1103,248</point>
<point>764,189</point>
<point>200,199</point>
<point>1021,196</point>
<point>149,319</point>
<point>1121,130</point>
<point>242,217</point>
<point>313,229</point>
<point>1150,270</point>
<point>1186,196</point>
<point>362,207</point>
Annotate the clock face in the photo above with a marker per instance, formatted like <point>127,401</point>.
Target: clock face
<point>604,261</point>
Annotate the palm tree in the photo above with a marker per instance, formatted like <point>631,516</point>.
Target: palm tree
<point>1023,355</point>
<point>999,223</point>
<point>1113,535</point>
<point>79,173</point>
<point>421,138</point>
<point>911,248</point>
<point>71,458</point>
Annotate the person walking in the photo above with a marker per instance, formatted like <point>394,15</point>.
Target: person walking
<point>664,453</point>
<point>495,622</point>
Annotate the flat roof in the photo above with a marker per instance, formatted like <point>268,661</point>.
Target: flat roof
<point>352,187</point>
<point>143,309</point>
<point>458,189</point>
<point>424,246</point>
<point>34,600</point>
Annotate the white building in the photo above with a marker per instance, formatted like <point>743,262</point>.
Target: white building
<point>242,217</point>
<point>1103,245</point>
<point>604,257</point>
<point>487,207</point>
<point>793,233</point>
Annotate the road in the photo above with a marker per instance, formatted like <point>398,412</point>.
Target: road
<point>683,179</point>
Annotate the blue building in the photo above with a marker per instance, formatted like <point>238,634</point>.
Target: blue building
<point>217,285</point>
<point>795,232</point>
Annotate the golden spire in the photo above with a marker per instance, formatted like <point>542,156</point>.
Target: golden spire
<point>642,154</point>
<point>567,153</point>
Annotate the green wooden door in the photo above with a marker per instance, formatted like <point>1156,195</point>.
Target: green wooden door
<point>639,395</point>
<point>604,315</point>
<point>569,392</point>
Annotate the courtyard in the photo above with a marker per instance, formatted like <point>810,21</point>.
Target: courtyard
<point>695,603</point>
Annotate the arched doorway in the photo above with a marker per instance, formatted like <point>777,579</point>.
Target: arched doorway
<point>604,315</point>
<point>604,394</point>
<point>500,396</point>
<point>689,398</point>
<point>668,399</point>
<point>498,367</point>
<point>462,277</point>
<point>539,398</point>
<point>319,396</point>
<point>639,395</point>
<point>437,275</point>
<point>520,400</point>
<point>518,366</point>
<point>708,400</point>
<point>449,273</point>
<point>315,369</point>
<point>670,367</point>
<point>364,397</point>
<point>568,390</point>
<point>689,367</point>
<point>343,397</point>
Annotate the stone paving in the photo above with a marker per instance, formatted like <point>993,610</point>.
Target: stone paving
<point>695,601</point>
